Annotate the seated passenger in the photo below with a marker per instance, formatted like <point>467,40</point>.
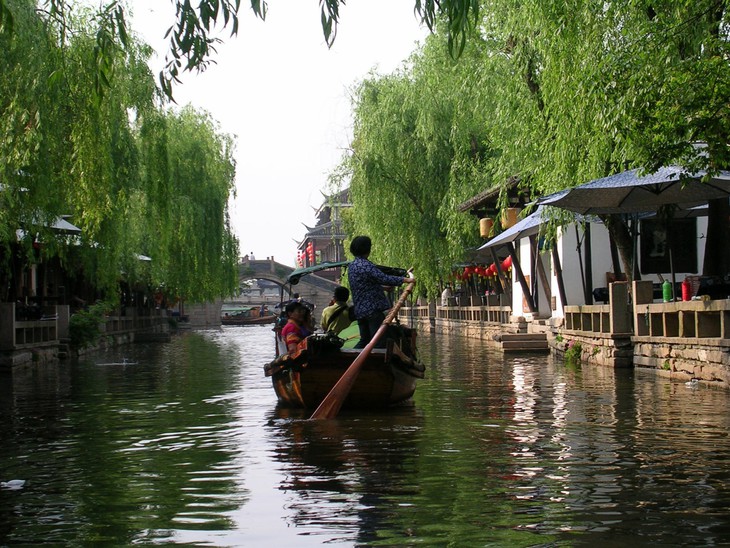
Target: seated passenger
<point>336,317</point>
<point>292,333</point>
<point>307,321</point>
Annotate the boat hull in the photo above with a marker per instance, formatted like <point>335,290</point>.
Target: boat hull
<point>388,376</point>
<point>248,321</point>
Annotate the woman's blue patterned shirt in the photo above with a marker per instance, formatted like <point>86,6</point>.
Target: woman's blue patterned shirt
<point>366,285</point>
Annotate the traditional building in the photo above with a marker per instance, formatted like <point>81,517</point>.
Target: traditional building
<point>324,242</point>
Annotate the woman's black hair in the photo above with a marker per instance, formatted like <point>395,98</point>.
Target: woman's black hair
<point>360,246</point>
<point>292,306</point>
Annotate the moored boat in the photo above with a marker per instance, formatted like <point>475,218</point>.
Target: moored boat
<point>246,317</point>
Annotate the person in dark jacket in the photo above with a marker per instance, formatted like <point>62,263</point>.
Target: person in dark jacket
<point>368,296</point>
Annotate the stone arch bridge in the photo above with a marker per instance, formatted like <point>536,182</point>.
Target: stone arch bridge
<point>312,288</point>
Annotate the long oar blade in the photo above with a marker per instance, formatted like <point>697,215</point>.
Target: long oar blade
<point>333,401</point>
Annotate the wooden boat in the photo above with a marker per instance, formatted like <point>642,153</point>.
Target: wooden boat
<point>388,376</point>
<point>247,317</point>
<point>304,378</point>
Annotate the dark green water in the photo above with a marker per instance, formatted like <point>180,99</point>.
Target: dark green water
<point>186,446</point>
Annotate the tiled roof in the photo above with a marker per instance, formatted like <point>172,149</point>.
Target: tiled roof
<point>488,196</point>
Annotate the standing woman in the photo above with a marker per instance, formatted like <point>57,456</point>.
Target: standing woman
<point>368,296</point>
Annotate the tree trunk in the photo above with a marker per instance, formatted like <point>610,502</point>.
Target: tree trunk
<point>619,231</point>
<point>717,250</point>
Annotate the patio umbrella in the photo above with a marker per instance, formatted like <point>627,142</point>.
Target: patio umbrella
<point>631,193</point>
<point>628,192</point>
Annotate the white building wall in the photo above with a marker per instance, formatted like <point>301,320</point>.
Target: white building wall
<point>522,247</point>
<point>602,264</point>
<point>571,271</point>
<point>519,304</point>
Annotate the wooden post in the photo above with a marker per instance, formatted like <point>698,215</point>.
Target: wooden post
<point>620,315</point>
<point>504,284</point>
<point>521,278</point>
<point>589,263</point>
<point>540,268</point>
<point>559,274</point>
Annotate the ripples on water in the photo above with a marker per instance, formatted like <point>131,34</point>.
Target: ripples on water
<point>187,446</point>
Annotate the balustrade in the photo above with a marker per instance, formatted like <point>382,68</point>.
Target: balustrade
<point>18,331</point>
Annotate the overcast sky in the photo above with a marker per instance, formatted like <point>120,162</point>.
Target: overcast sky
<point>285,96</point>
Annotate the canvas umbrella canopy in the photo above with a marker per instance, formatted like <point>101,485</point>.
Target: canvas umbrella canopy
<point>629,192</point>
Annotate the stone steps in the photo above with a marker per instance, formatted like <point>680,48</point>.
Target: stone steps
<point>64,349</point>
<point>524,342</point>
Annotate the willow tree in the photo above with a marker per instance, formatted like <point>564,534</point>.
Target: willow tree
<point>72,146</point>
<point>195,31</point>
<point>615,86</point>
<point>416,146</point>
<point>189,175</point>
<point>673,77</point>
<point>67,150</point>
<point>556,93</point>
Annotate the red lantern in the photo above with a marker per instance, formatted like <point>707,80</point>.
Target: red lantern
<point>507,263</point>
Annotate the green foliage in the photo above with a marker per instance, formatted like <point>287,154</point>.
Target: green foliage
<point>419,149</point>
<point>85,325</point>
<point>573,354</point>
<point>193,34</point>
<point>186,223</point>
<point>136,178</point>
<point>553,93</point>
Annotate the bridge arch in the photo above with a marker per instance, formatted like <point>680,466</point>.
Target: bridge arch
<point>312,288</point>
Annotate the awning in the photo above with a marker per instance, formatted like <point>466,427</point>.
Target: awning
<point>293,278</point>
<point>62,225</point>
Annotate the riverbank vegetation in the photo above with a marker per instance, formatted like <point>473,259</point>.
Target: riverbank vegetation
<point>553,93</point>
<point>87,134</point>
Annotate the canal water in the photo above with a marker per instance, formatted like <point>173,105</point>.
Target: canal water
<point>182,443</point>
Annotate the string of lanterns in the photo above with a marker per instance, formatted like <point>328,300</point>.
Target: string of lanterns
<point>482,271</point>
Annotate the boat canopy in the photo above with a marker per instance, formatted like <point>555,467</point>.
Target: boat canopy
<point>295,276</point>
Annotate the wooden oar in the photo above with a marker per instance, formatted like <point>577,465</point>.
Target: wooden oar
<point>333,401</point>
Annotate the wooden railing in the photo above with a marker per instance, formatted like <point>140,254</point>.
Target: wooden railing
<point>51,325</point>
<point>133,321</point>
<point>686,320</point>
<point>588,319</point>
<point>690,320</point>
<point>482,314</point>
<point>490,314</point>
<point>27,333</point>
<point>420,312</point>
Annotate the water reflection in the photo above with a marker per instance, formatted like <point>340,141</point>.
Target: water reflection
<point>186,445</point>
<point>338,475</point>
